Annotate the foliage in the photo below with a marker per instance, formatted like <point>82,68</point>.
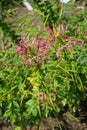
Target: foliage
<point>5,4</point>
<point>48,73</point>
<point>49,11</point>
<point>14,22</point>
<point>6,27</point>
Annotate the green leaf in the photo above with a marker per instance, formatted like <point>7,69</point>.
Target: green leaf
<point>7,113</point>
<point>18,128</point>
<point>34,112</point>
<point>15,104</point>
<point>29,102</point>
<point>13,118</point>
<point>32,107</point>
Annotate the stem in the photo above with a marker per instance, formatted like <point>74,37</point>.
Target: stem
<point>61,12</point>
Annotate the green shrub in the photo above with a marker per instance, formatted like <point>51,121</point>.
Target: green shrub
<point>48,73</point>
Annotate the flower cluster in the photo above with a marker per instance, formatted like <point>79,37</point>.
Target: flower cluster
<point>36,52</point>
<point>45,98</point>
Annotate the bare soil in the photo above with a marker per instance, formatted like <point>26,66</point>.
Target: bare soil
<point>65,121</point>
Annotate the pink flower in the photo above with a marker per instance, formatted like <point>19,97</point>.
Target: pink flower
<point>21,57</point>
<point>35,57</point>
<point>43,46</point>
<point>69,47</point>
<point>82,43</point>
<point>72,39</point>
<point>20,49</point>
<point>28,63</point>
<point>42,49</point>
<point>47,39</point>
<point>38,43</point>
<point>66,28</point>
<point>50,30</point>
<point>63,47</point>
<point>41,96</point>
<point>22,41</point>
<point>63,25</point>
<point>26,56</point>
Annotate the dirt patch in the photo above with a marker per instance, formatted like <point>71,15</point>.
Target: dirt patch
<point>65,121</point>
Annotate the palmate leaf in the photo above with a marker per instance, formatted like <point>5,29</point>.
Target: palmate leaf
<point>82,59</point>
<point>7,113</point>
<point>32,107</point>
<point>13,118</point>
<point>16,105</point>
<point>18,128</point>
<point>24,94</point>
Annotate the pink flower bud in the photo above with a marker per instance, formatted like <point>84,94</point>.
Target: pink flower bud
<point>55,104</point>
<point>82,43</point>
<point>36,36</point>
<point>53,93</point>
